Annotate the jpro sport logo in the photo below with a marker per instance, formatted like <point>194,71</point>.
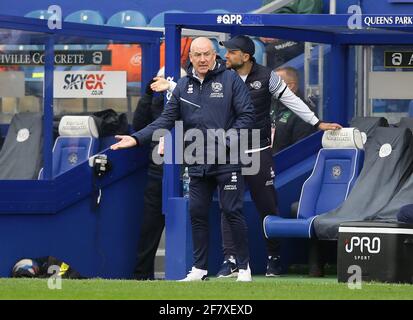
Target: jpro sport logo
<point>364,244</point>
<point>90,82</point>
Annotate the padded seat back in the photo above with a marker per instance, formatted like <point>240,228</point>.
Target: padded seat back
<point>337,167</point>
<point>128,18</point>
<point>21,156</point>
<point>85,16</point>
<point>388,162</point>
<point>368,124</point>
<point>334,173</point>
<point>77,142</point>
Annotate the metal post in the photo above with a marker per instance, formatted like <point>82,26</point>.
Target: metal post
<point>48,109</point>
<point>337,109</point>
<point>150,62</point>
<point>178,235</point>
<point>321,81</point>
<point>150,67</point>
<point>172,69</point>
<point>367,103</point>
<point>307,59</point>
<point>360,81</point>
<point>333,6</point>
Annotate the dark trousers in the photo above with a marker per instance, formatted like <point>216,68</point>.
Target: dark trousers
<point>231,198</point>
<point>265,199</point>
<point>153,224</point>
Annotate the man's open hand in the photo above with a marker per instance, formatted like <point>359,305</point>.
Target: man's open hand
<point>159,84</point>
<point>123,143</point>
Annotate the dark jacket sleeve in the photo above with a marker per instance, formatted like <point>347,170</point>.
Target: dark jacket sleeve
<point>244,109</point>
<point>142,116</point>
<point>166,120</point>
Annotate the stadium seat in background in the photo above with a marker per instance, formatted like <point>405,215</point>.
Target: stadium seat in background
<point>335,173</point>
<point>38,14</point>
<point>21,155</point>
<point>368,124</point>
<point>85,16</point>
<point>128,18</point>
<point>158,20</point>
<point>65,47</point>
<point>259,51</point>
<point>77,142</point>
<point>216,45</point>
<point>387,164</point>
<point>98,47</point>
<point>222,51</point>
<point>217,11</point>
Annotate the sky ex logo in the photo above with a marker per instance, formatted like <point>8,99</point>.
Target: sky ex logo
<point>365,244</point>
<point>91,82</point>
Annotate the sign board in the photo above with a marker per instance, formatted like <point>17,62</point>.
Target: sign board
<point>62,58</point>
<point>90,84</point>
<point>398,59</point>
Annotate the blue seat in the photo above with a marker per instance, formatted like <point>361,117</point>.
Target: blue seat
<point>259,51</point>
<point>66,47</point>
<point>158,20</point>
<point>77,142</point>
<point>217,11</point>
<point>128,18</point>
<point>21,154</point>
<point>70,151</point>
<point>222,52</point>
<point>334,175</point>
<point>98,47</point>
<point>38,14</point>
<point>85,16</point>
<point>216,45</point>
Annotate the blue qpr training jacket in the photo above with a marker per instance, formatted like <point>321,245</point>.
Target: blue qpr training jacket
<point>221,101</point>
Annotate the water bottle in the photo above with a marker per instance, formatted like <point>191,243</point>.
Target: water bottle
<point>185,183</point>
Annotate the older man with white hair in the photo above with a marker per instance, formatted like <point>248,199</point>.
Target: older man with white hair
<point>209,97</point>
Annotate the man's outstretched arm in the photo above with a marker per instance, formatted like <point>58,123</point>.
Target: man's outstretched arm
<point>166,120</point>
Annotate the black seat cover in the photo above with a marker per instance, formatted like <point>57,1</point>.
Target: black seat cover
<point>379,181</point>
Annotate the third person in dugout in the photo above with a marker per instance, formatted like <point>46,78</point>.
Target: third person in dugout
<point>290,128</point>
<point>263,84</point>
